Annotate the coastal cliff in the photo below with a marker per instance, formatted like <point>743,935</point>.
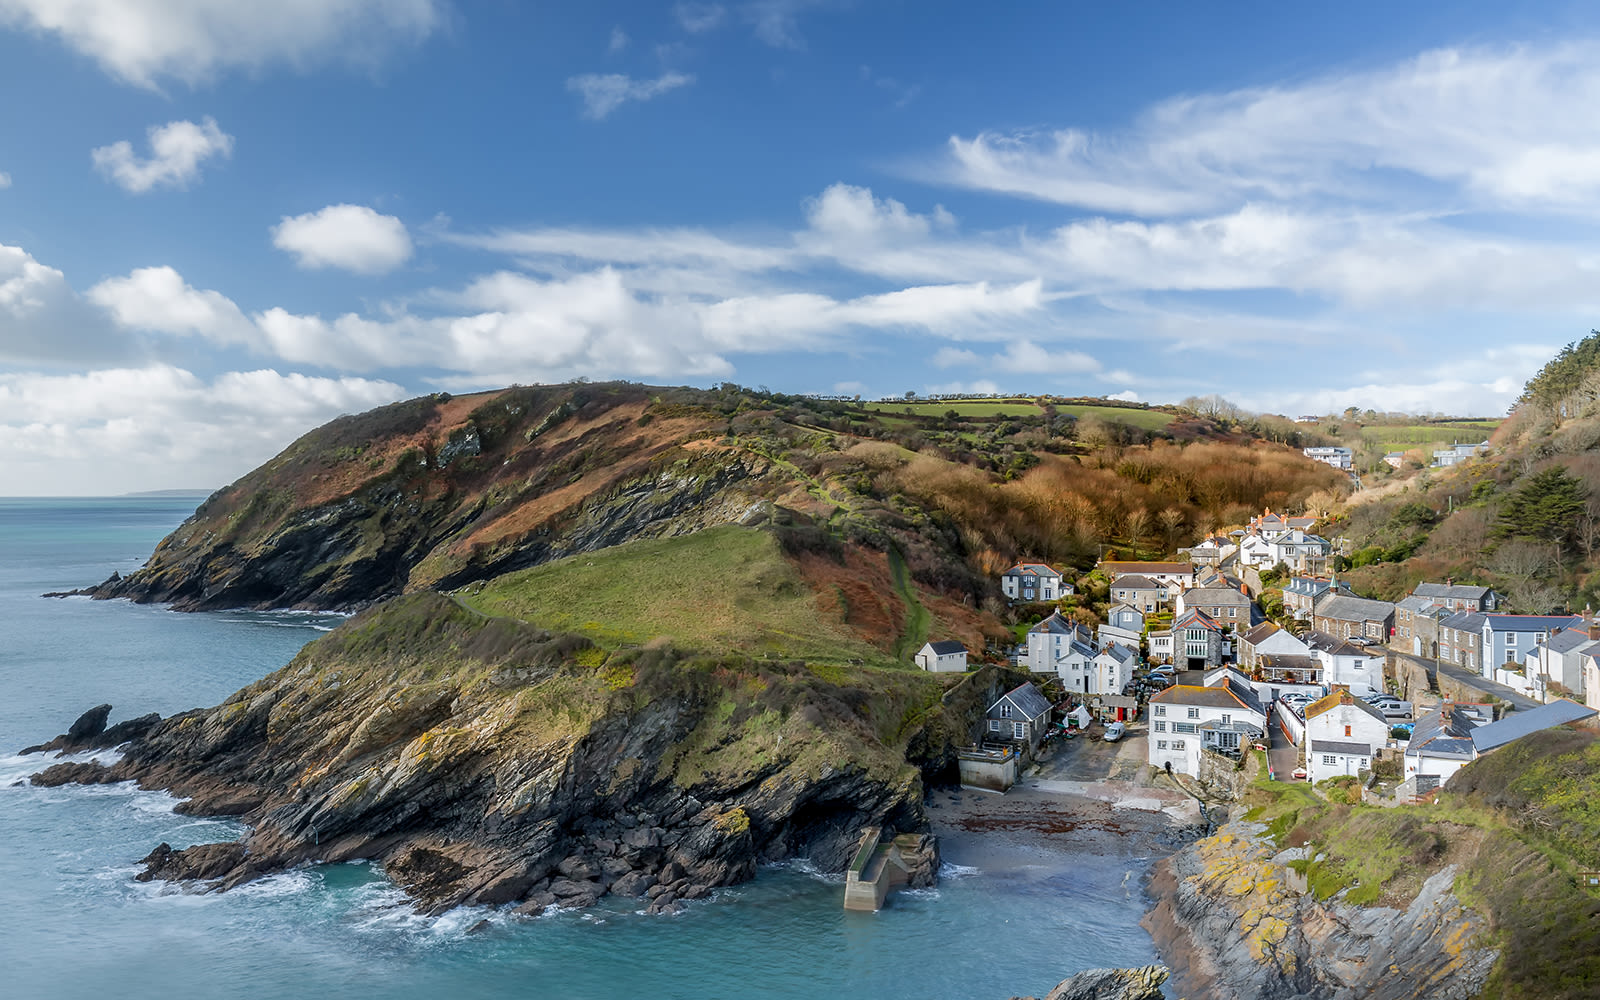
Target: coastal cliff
<point>486,761</point>
<point>1231,922</point>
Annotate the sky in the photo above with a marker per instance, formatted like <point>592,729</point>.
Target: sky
<point>222,224</point>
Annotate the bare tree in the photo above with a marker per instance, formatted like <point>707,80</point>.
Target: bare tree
<point>1171,522</point>
<point>1137,523</point>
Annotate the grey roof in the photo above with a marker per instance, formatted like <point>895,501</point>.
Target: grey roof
<point>1344,608</point>
<point>1520,724</point>
<point>945,647</point>
<point>1058,625</point>
<point>1289,661</point>
<point>1307,585</point>
<point>1531,623</point>
<point>1027,699</point>
<point>1215,596</point>
<point>1120,652</point>
<point>1031,569</point>
<point>1413,603</point>
<point>1458,591</point>
<point>1133,581</point>
<point>1444,731</point>
<point>1334,645</point>
<point>1465,621</point>
<point>1261,633</point>
<point>1567,640</point>
<point>1228,694</point>
<point>1340,746</point>
<point>1082,648</point>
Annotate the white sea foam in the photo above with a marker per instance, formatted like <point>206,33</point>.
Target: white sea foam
<point>950,869</point>
<point>808,868</point>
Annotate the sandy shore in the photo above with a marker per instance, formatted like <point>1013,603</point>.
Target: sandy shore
<point>985,829</point>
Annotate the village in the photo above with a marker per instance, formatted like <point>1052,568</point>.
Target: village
<point>1183,674</point>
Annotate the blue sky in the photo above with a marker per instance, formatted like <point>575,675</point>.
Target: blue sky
<point>223,223</point>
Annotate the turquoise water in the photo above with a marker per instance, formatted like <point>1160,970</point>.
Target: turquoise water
<point>76,925</point>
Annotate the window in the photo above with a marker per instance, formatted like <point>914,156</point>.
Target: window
<point>1363,762</point>
<point>1511,638</point>
<point>1161,710</point>
<point>1005,711</point>
<point>1347,730</point>
<point>1161,744</point>
<point>1019,730</point>
<point>1184,727</point>
<point>1330,760</point>
<point>1177,744</point>
<point>1161,726</point>
<point>994,725</point>
<point>1194,713</point>
<point>1226,718</point>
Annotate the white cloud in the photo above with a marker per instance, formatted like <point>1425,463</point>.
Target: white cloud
<point>159,426</point>
<point>42,320</point>
<point>777,22</point>
<point>158,300</point>
<point>143,41</point>
<point>350,237</point>
<point>603,93</point>
<point>1126,396</point>
<point>5,180</point>
<point>1449,129</point>
<point>955,357</point>
<point>1025,357</point>
<point>619,41</point>
<point>177,149</point>
<point>698,18</point>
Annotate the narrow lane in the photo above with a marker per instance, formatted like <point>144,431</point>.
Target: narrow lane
<point>1519,702</point>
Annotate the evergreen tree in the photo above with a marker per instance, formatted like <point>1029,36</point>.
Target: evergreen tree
<point>1546,507</point>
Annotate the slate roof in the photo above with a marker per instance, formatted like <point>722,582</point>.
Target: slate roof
<point>1058,625</point>
<point>1261,633</point>
<point>1413,603</point>
<point>1194,616</point>
<point>1037,569</point>
<point>1119,652</point>
<point>1026,699</point>
<point>1340,746</point>
<point>1289,661</point>
<point>945,647</point>
<point>1225,597</point>
<point>1520,724</point>
<point>1531,623</point>
<point>1133,581</point>
<point>1342,696</point>
<point>1341,607</point>
<point>1333,645</point>
<point>1567,640</point>
<point>1123,606</point>
<point>1464,621</point>
<point>1445,731</point>
<point>1457,592</point>
<point>1229,694</point>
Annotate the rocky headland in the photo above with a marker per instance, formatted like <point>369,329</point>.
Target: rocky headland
<point>486,761</point>
<point>1233,919</point>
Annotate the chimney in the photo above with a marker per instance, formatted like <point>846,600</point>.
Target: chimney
<point>1592,625</point>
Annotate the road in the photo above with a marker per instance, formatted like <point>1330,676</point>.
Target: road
<point>1517,701</point>
<point>1282,755</point>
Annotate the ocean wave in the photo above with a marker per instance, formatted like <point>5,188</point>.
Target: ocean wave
<point>808,868</point>
<point>290,883</point>
<point>16,767</point>
<point>951,870</point>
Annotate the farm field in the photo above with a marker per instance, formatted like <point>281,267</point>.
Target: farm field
<point>1150,420</point>
<point>1406,437</point>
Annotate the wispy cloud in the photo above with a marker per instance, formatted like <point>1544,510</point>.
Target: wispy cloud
<point>177,151</point>
<point>698,18</point>
<point>145,42</point>
<point>603,93</point>
<point>619,41</point>
<point>1450,129</point>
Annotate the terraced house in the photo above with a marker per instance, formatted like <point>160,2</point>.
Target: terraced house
<point>1353,617</point>
<point>1225,605</point>
<point>1224,716</point>
<point>1507,638</point>
<point>1461,640</point>
<point>1140,592</point>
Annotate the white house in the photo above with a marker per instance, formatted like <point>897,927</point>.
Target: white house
<point>1124,624</point>
<point>1301,552</point>
<point>945,657</point>
<point>1268,639</point>
<point>1344,663</point>
<point>1225,716</point>
<point>1343,735</point>
<point>1033,582</point>
<point>1559,660</point>
<point>1339,458</point>
<point>1054,638</point>
<point>1113,669</point>
<point>1446,457</point>
<point>1441,741</point>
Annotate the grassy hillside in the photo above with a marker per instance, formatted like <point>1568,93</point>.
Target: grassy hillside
<point>726,588</point>
<point>1520,824</point>
<point>1132,416</point>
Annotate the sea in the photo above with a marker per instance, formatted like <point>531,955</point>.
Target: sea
<point>76,924</point>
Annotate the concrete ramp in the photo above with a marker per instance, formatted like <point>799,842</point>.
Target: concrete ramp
<point>876,868</point>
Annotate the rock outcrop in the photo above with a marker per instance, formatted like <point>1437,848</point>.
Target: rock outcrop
<point>1231,923</point>
<point>483,761</point>
<point>1111,984</point>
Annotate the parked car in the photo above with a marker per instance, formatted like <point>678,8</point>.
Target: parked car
<point>1114,732</point>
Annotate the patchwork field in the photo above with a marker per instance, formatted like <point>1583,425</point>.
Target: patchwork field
<point>1428,436</point>
<point>1150,420</point>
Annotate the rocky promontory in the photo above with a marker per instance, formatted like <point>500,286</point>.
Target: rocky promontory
<point>1232,920</point>
<point>486,761</point>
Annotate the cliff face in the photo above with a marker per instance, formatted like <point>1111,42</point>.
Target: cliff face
<point>1231,923</point>
<point>486,761</point>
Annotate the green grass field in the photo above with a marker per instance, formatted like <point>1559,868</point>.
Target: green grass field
<point>723,589</point>
<point>1150,420</point>
<point>1428,436</point>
